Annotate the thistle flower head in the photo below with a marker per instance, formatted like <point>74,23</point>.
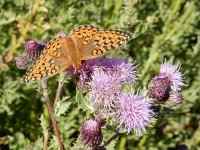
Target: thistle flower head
<point>89,66</point>
<point>83,74</point>
<point>91,134</point>
<point>159,88</point>
<point>21,62</point>
<point>173,74</point>
<point>122,69</point>
<point>175,98</point>
<point>119,68</point>
<point>103,90</point>
<point>134,113</point>
<point>33,49</point>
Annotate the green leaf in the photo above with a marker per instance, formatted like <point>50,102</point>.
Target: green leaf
<point>83,102</point>
<point>53,144</point>
<point>45,125</point>
<point>62,106</point>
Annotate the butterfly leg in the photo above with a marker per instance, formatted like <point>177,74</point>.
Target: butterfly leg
<point>75,69</point>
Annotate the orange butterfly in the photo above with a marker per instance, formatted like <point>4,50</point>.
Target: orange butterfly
<point>84,42</point>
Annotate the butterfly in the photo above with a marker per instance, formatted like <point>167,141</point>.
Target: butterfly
<point>83,43</point>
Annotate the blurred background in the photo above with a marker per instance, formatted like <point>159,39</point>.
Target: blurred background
<point>161,29</point>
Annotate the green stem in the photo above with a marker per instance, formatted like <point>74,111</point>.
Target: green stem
<point>116,135</point>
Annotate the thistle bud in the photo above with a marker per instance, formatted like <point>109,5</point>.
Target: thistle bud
<point>175,98</point>
<point>21,62</point>
<point>33,49</point>
<point>159,88</point>
<point>91,133</point>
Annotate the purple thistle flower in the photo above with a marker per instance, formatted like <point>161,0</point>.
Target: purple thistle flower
<point>175,98</point>
<point>33,49</point>
<point>172,73</point>
<point>91,134</point>
<point>159,88</point>
<point>119,68</point>
<point>87,67</point>
<point>122,69</point>
<point>82,81</point>
<point>104,90</point>
<point>134,113</point>
<point>21,62</point>
<point>84,73</point>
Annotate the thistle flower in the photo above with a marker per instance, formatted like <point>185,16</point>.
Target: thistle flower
<point>169,79</point>
<point>21,62</point>
<point>122,69</point>
<point>159,88</point>
<point>33,49</point>
<point>83,74</point>
<point>91,134</point>
<point>119,68</point>
<point>172,73</point>
<point>134,113</point>
<point>104,88</point>
<point>87,66</point>
<point>175,98</point>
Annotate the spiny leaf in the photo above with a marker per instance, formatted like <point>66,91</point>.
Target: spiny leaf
<point>45,125</point>
<point>83,102</point>
<point>62,106</point>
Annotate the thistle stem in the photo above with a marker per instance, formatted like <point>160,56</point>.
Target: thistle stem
<point>116,135</point>
<point>46,140</point>
<point>58,93</point>
<point>54,123</point>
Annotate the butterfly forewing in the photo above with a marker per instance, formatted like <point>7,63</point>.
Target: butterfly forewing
<point>97,41</point>
<point>106,41</point>
<point>49,63</point>
<point>85,33</point>
<point>53,46</point>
